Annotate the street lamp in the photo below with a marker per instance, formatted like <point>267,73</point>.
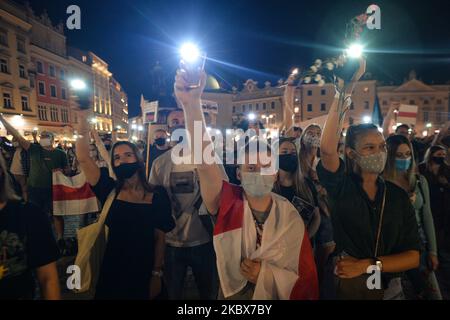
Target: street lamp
<point>367,119</point>
<point>296,109</point>
<point>77,84</point>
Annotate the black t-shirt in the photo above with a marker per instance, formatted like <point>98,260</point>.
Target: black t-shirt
<point>129,255</point>
<point>287,192</point>
<point>355,218</point>
<point>26,243</point>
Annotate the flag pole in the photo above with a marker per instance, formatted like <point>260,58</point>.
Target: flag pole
<point>147,158</point>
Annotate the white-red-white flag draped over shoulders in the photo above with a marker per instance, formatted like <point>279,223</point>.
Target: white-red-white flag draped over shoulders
<point>288,268</point>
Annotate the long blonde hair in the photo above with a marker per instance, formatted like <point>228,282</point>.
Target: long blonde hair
<point>304,165</point>
<point>7,192</point>
<point>390,171</point>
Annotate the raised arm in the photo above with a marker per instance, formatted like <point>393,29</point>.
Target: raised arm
<point>445,130</point>
<point>288,108</point>
<point>87,164</point>
<point>387,122</point>
<point>210,175</point>
<point>102,150</point>
<point>335,120</point>
<point>24,143</point>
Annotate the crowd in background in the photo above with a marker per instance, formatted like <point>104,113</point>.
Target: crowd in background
<point>338,204</point>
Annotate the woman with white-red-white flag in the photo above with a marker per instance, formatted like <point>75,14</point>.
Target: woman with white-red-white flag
<point>262,247</point>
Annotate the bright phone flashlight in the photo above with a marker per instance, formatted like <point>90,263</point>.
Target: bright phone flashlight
<point>189,52</point>
<point>355,50</point>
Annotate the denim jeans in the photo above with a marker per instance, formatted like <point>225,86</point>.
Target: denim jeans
<point>202,260</point>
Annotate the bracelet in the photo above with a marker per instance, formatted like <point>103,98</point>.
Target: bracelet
<point>158,274</point>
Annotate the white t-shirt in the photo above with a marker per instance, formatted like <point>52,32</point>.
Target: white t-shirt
<point>182,184</point>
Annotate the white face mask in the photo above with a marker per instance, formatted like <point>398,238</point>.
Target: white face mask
<point>257,185</point>
<point>312,141</point>
<point>46,142</point>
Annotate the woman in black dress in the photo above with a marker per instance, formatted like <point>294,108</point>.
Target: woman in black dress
<point>137,222</point>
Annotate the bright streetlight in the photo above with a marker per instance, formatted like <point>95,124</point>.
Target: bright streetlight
<point>78,84</point>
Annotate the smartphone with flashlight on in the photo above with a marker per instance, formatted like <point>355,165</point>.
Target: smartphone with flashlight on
<point>193,63</point>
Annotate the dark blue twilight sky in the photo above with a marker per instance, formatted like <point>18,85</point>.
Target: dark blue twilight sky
<point>262,40</point>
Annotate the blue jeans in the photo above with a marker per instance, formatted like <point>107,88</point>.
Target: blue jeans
<point>202,260</point>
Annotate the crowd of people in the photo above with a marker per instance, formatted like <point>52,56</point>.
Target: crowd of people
<point>338,205</point>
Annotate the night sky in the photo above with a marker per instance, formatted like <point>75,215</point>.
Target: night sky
<point>262,40</point>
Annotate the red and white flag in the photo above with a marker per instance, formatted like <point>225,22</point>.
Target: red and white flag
<point>288,269</point>
<point>72,195</point>
<point>407,114</point>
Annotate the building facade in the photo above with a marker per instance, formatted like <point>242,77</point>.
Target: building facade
<point>313,101</point>
<point>119,105</point>
<point>17,91</point>
<point>50,64</point>
<point>432,101</point>
<point>35,72</point>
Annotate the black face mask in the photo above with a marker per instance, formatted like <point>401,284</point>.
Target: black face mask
<point>438,160</point>
<point>288,162</point>
<point>160,141</point>
<point>126,170</point>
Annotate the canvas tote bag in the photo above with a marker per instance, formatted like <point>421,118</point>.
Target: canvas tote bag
<point>92,241</point>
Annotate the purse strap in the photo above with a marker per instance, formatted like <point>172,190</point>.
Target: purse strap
<point>380,223</point>
<point>106,207</point>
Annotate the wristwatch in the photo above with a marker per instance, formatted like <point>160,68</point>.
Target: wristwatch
<point>378,263</point>
<point>157,273</point>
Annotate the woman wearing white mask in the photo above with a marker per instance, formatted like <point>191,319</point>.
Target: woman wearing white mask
<point>373,221</point>
<point>401,170</point>
<point>259,238</point>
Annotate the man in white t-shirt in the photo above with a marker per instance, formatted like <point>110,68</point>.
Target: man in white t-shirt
<point>190,243</point>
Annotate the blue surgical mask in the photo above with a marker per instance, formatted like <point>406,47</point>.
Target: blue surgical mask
<point>403,164</point>
<point>257,185</point>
